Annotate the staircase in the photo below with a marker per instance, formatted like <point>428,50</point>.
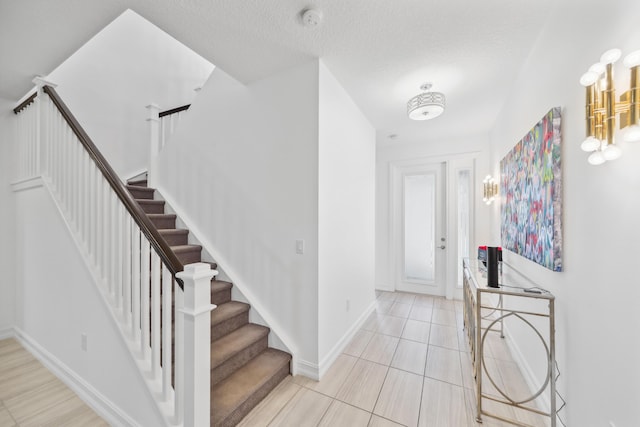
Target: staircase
<point>243,368</point>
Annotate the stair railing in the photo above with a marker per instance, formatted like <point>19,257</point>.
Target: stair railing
<point>136,270</point>
<point>162,124</point>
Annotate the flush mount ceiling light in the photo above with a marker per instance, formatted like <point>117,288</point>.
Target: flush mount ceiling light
<point>427,105</point>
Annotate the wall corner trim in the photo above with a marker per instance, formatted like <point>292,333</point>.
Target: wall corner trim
<point>331,357</point>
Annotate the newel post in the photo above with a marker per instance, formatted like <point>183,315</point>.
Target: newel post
<point>40,83</point>
<point>195,328</point>
<point>153,118</point>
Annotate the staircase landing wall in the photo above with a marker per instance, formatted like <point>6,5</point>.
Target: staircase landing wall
<point>243,167</point>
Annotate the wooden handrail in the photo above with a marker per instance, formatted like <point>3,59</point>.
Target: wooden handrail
<point>174,110</point>
<point>146,226</point>
<point>26,102</point>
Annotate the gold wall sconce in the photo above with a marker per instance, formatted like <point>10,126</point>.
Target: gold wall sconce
<point>602,107</point>
<point>490,189</point>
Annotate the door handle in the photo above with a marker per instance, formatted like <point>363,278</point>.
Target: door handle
<point>442,246</point>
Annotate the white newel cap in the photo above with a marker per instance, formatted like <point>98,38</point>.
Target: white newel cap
<point>41,81</point>
<point>196,271</point>
<point>154,111</point>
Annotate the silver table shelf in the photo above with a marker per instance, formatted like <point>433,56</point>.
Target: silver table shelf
<point>485,313</point>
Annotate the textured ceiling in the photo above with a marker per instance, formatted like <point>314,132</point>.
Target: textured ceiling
<point>380,50</point>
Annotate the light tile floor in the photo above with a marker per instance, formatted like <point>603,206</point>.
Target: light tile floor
<point>31,396</point>
<point>408,365</point>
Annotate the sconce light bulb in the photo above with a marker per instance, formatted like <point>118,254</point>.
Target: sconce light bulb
<point>589,78</point>
<point>632,134</point>
<point>596,158</point>
<point>611,56</point>
<point>598,68</point>
<point>632,59</point>
<point>590,144</point>
<point>611,152</point>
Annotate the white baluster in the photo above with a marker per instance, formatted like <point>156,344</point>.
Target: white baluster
<point>197,338</point>
<point>87,198</point>
<point>167,287</point>
<point>136,284</point>
<point>126,279</point>
<point>145,283</point>
<point>155,314</point>
<point>113,258</point>
<point>120,255</point>
<point>92,206</point>
<point>179,356</point>
<point>106,237</point>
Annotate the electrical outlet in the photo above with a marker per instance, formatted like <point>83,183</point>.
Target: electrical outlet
<point>83,342</point>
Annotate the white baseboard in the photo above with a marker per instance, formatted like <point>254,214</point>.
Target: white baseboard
<point>386,288</point>
<point>85,391</point>
<point>308,369</point>
<point>316,371</point>
<point>8,332</point>
<point>331,357</point>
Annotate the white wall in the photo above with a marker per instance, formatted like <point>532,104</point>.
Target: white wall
<point>108,82</point>
<point>243,169</point>
<point>473,150</point>
<point>7,218</point>
<point>346,193</point>
<point>58,301</point>
<point>597,294</point>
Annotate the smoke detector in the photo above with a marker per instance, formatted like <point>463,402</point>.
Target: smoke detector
<point>311,18</point>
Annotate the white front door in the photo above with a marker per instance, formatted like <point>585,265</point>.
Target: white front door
<point>420,225</point>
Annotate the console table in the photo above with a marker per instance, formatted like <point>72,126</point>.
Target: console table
<point>485,312</point>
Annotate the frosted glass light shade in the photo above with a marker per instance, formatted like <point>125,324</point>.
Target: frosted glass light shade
<point>611,152</point>
<point>590,144</point>
<point>632,59</point>
<point>596,158</point>
<point>632,134</point>
<point>611,56</point>
<point>598,67</point>
<point>589,78</point>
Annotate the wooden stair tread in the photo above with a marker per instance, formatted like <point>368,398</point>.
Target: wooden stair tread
<point>220,285</point>
<point>234,342</point>
<point>138,192</point>
<point>185,248</point>
<point>227,310</point>
<point>137,182</point>
<point>163,215</point>
<point>232,399</point>
<point>150,202</point>
<point>173,231</point>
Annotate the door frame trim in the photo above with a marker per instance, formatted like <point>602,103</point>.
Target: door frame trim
<point>451,166</point>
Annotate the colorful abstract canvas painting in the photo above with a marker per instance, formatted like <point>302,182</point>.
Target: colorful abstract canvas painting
<point>531,194</point>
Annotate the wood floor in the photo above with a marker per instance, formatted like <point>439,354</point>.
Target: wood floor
<point>408,365</point>
<point>32,396</point>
